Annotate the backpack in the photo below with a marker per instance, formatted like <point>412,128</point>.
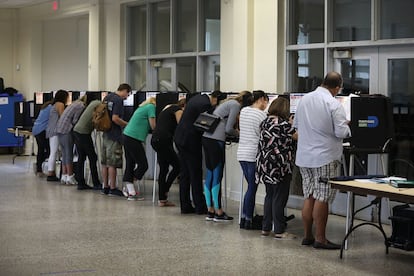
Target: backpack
<point>100,117</point>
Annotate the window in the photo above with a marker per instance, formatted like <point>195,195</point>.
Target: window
<point>138,30</point>
<point>186,74</point>
<point>306,69</point>
<point>183,34</point>
<point>138,71</point>
<point>186,26</point>
<point>351,20</point>
<point>160,31</point>
<point>397,20</point>
<point>210,26</point>
<point>306,21</point>
<point>355,74</point>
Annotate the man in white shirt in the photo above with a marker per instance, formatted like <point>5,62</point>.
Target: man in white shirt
<point>321,124</point>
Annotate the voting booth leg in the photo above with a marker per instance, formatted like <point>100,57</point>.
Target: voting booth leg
<point>241,196</point>
<point>349,202</point>
<point>155,177</point>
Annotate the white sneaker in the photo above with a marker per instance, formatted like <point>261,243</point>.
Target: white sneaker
<point>64,178</point>
<point>129,191</point>
<point>70,180</point>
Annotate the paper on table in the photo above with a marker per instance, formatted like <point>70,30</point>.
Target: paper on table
<point>365,180</point>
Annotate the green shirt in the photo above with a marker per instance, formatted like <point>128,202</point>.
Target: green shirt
<point>139,126</point>
<point>84,124</point>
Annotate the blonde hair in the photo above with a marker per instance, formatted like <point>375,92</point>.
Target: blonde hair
<point>150,100</point>
<point>241,95</point>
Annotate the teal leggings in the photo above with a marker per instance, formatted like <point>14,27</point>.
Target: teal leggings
<point>214,156</point>
<point>212,186</point>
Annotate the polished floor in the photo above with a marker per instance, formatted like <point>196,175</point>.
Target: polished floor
<point>50,229</point>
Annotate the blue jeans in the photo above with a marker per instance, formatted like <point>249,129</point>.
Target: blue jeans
<point>249,169</point>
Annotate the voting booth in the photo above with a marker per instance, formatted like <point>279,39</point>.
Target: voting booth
<point>372,125</point>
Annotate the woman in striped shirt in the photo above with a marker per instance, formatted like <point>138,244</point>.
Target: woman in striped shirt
<point>250,119</point>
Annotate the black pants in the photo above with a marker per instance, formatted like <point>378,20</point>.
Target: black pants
<point>191,176</point>
<point>134,155</point>
<point>167,157</point>
<point>275,202</point>
<point>43,149</point>
<point>85,148</point>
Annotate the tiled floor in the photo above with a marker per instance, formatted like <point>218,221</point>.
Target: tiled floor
<point>50,229</point>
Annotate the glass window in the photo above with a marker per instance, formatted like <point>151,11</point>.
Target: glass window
<point>186,74</point>
<point>356,75</point>
<point>401,82</point>
<point>396,19</point>
<point>138,30</point>
<point>306,21</point>
<point>351,20</point>
<point>210,25</point>
<point>138,74</point>
<point>186,26</point>
<point>211,70</point>
<point>160,32</point>
<point>306,69</point>
<point>164,79</point>
<point>401,92</point>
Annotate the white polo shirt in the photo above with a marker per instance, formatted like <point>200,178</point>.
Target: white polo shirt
<point>321,125</point>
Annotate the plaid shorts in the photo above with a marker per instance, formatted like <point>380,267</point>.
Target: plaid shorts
<point>314,181</point>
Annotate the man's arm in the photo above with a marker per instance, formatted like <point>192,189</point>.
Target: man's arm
<point>118,120</point>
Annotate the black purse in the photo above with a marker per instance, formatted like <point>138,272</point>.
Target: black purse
<point>207,122</point>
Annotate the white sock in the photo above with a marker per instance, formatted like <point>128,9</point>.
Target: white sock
<point>131,189</point>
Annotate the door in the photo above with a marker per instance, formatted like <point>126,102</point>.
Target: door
<point>387,71</point>
<point>165,75</point>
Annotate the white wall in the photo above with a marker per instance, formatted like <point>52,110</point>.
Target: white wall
<point>33,26</point>
<point>65,53</point>
<point>250,45</point>
<point>7,45</point>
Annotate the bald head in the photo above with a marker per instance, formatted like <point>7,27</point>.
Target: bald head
<point>332,80</point>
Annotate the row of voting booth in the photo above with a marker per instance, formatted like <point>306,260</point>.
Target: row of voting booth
<point>371,116</point>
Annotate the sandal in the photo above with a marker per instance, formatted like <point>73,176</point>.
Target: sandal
<point>166,204</point>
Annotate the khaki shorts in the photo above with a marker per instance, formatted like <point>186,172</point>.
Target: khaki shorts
<point>314,181</point>
<point>111,153</point>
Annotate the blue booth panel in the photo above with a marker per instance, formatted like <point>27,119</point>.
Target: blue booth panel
<point>7,120</point>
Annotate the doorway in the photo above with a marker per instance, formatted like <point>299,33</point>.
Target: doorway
<point>385,70</point>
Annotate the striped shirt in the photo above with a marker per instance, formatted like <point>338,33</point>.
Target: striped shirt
<point>250,120</point>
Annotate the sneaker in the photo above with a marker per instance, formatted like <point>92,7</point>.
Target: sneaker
<point>105,191</point>
<point>248,225</point>
<point>70,180</point>
<point>138,196</point>
<point>52,178</point>
<point>64,179</point>
<point>222,218</point>
<point>97,187</point>
<point>125,192</point>
<point>115,192</point>
<point>242,222</point>
<point>285,236</point>
<point>210,216</point>
<point>265,233</point>
<point>166,203</point>
<point>84,187</point>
